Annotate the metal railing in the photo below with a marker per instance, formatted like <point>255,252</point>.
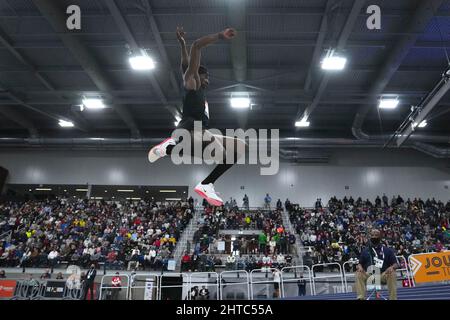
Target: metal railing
<point>285,279</point>
<point>265,272</point>
<point>238,273</point>
<point>340,275</point>
<point>105,287</point>
<point>206,284</point>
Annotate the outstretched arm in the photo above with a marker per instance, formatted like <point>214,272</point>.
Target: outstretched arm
<point>195,56</point>
<point>184,53</point>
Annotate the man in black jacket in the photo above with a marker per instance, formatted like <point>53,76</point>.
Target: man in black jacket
<point>89,282</point>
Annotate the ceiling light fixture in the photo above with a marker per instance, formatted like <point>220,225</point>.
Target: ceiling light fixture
<point>388,103</point>
<point>333,62</point>
<point>303,123</point>
<point>93,103</point>
<point>141,63</point>
<point>66,124</point>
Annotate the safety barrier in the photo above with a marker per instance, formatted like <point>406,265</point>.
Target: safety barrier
<point>404,267</point>
<point>183,285</point>
<point>340,276</point>
<point>289,276</point>
<point>109,292</point>
<point>143,289</point>
<point>72,293</point>
<point>214,284</point>
<point>235,286</point>
<point>348,275</point>
<point>265,272</point>
<point>27,290</point>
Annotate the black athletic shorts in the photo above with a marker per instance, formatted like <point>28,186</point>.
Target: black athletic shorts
<point>188,123</point>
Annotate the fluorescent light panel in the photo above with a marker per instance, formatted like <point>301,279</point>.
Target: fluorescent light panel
<point>423,124</point>
<point>93,103</point>
<point>334,63</point>
<point>43,189</point>
<point>66,124</point>
<point>302,123</point>
<point>124,190</point>
<point>240,103</point>
<point>390,103</point>
<point>141,63</point>
<point>81,190</point>
<point>167,191</point>
<point>173,199</point>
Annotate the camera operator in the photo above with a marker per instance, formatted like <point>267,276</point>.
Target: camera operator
<point>381,257</point>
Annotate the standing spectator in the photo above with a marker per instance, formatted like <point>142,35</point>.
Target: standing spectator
<point>236,247</point>
<point>276,283</point>
<point>318,204</point>
<point>267,201</point>
<point>385,200</point>
<point>262,241</point>
<point>245,201</point>
<point>89,282</point>
<point>301,284</point>
<point>279,205</point>
<point>287,205</point>
<point>52,258</point>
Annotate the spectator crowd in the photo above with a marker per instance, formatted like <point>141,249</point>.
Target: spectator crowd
<point>82,232</point>
<point>336,232</point>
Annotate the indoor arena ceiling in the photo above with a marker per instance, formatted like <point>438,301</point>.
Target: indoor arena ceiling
<point>46,70</point>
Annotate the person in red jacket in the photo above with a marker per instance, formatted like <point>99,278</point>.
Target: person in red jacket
<point>116,284</point>
<point>186,262</point>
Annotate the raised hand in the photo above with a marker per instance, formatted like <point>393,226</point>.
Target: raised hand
<point>229,33</point>
<point>180,35</point>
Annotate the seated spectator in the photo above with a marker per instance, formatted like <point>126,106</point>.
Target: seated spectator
<point>116,284</point>
<point>186,262</point>
<point>59,276</point>
<point>2,274</point>
<point>203,293</point>
<point>383,258</point>
<point>46,274</point>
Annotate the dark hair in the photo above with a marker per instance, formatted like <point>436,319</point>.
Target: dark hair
<point>202,70</point>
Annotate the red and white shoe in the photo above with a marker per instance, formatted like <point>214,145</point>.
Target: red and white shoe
<point>159,151</point>
<point>206,191</point>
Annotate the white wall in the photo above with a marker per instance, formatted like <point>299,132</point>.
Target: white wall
<point>367,172</point>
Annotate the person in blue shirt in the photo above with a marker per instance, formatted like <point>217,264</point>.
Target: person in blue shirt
<point>385,256</point>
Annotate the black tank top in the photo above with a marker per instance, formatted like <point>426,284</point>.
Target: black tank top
<point>194,105</point>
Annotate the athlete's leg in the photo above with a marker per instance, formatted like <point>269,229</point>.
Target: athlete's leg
<point>206,188</point>
<point>234,153</point>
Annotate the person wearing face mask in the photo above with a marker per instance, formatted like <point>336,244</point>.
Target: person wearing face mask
<point>381,257</point>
